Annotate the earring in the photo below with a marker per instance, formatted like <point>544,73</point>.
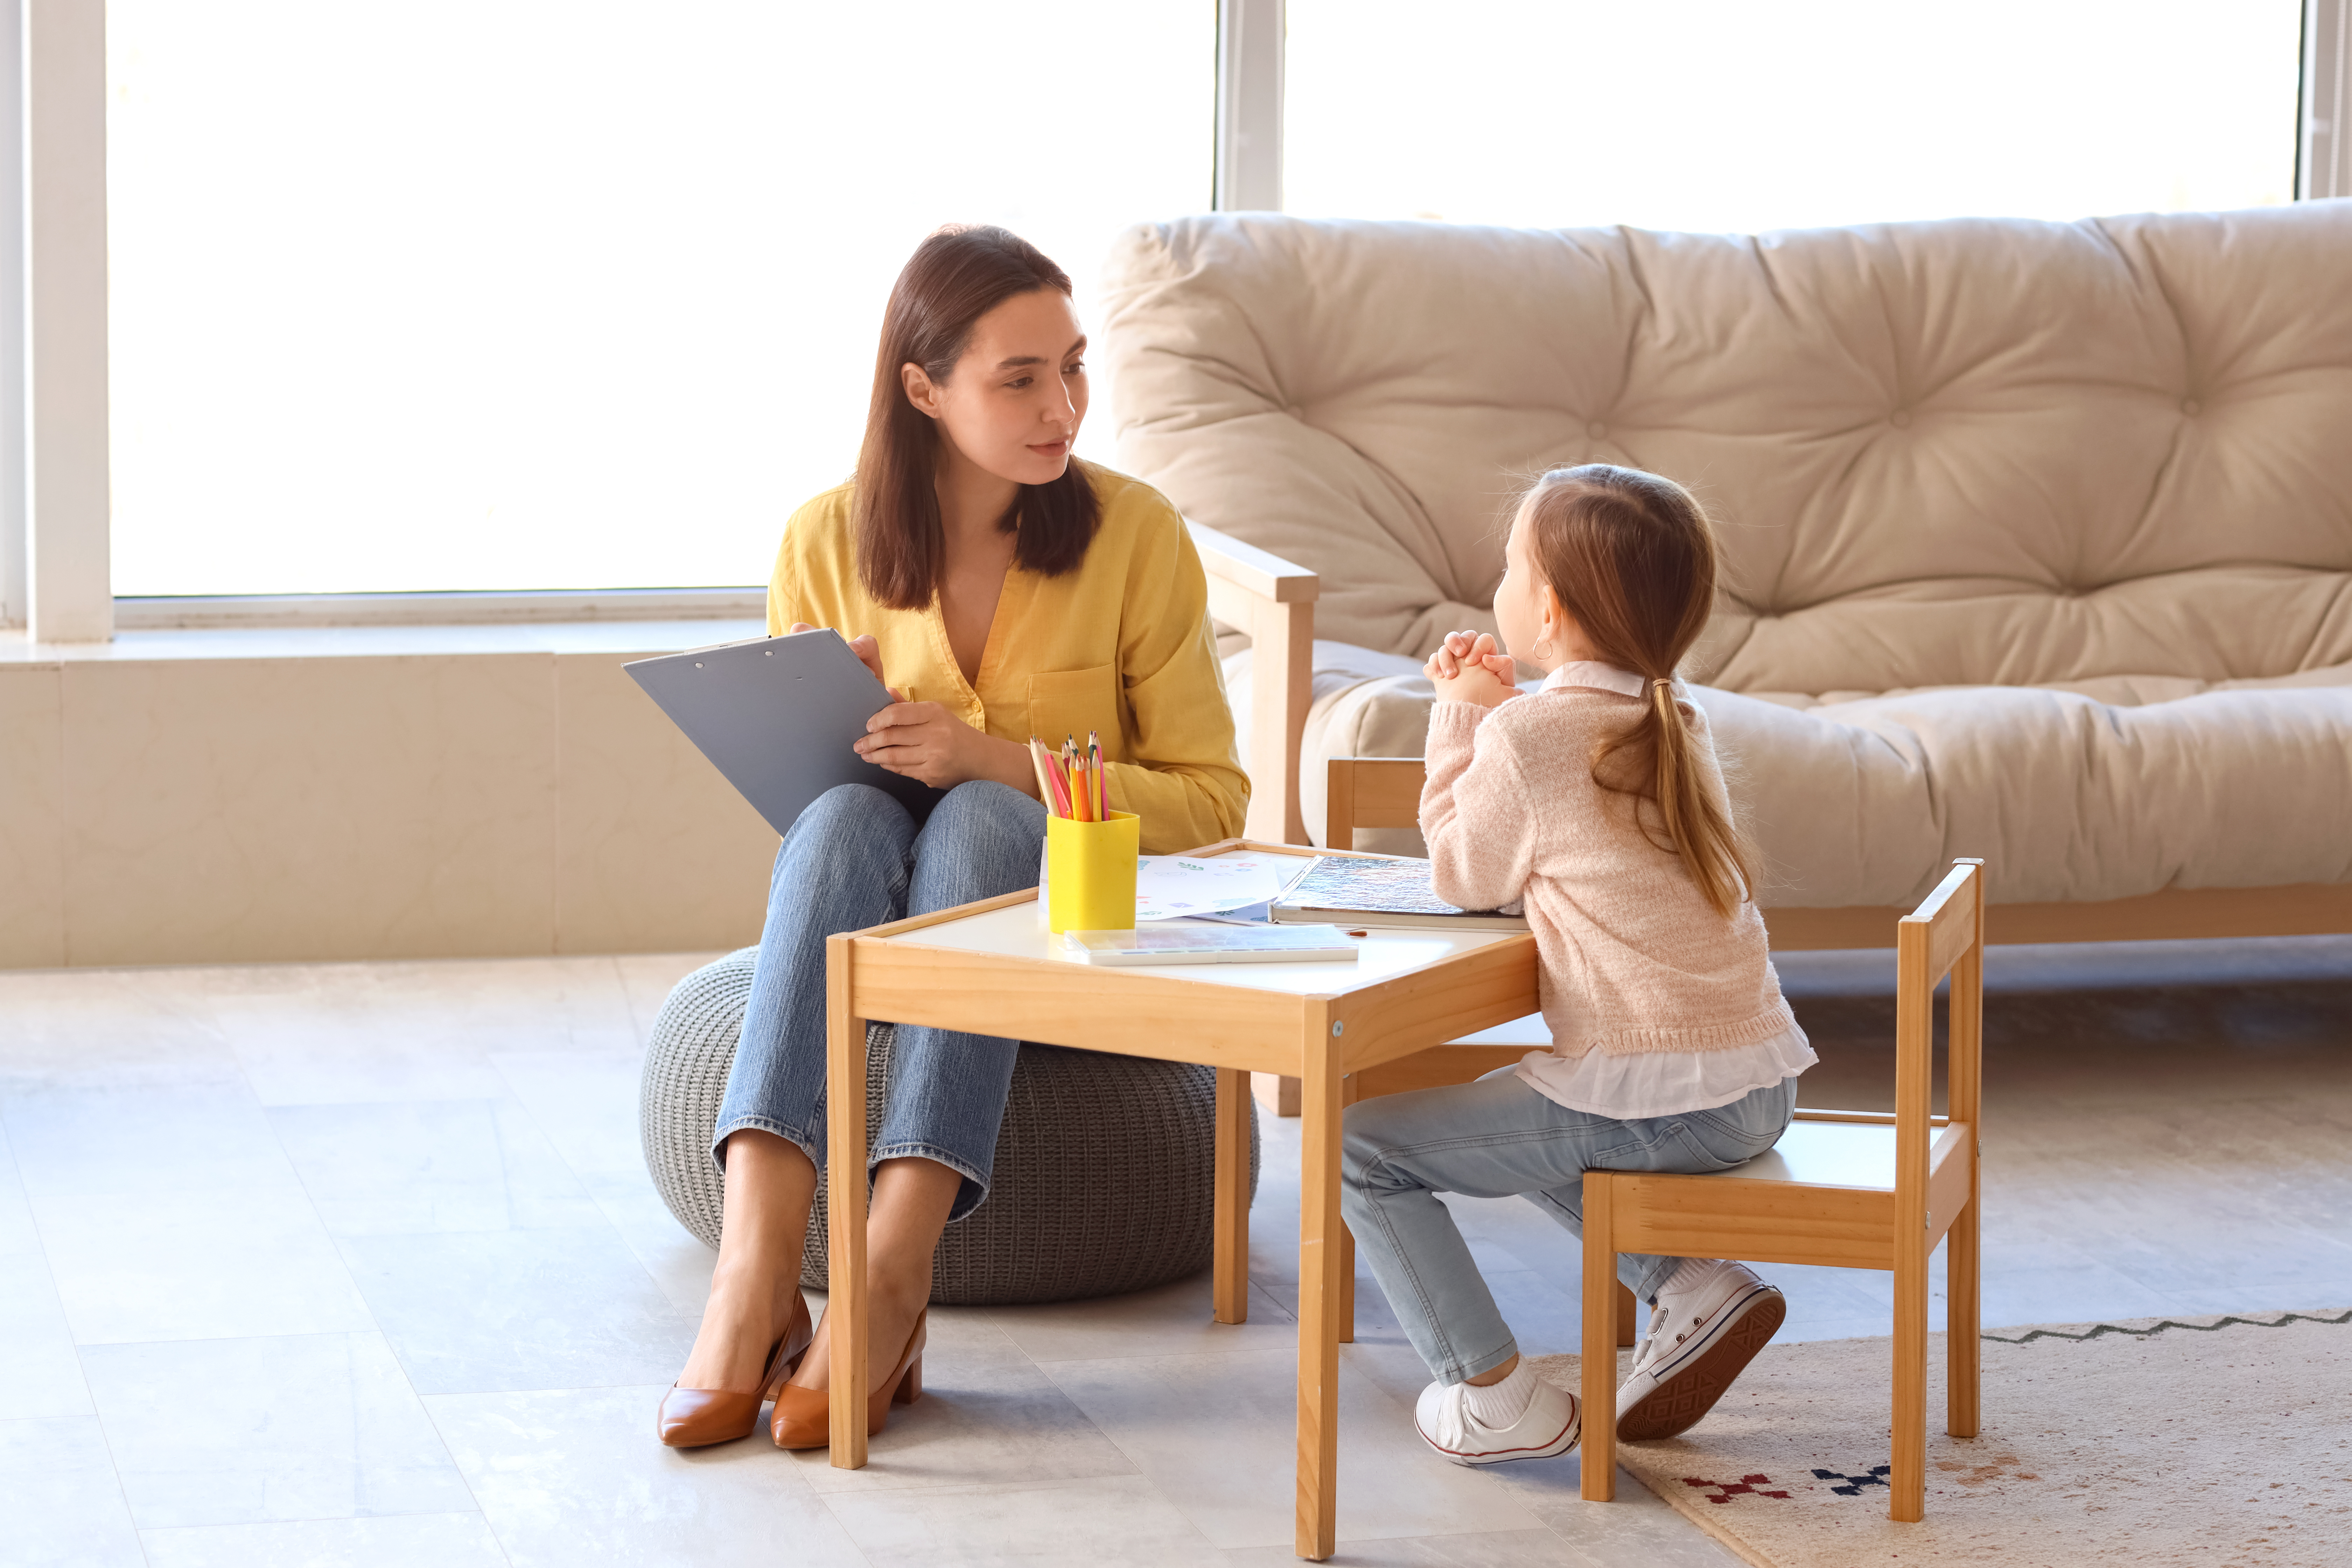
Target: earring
<point>1543,647</point>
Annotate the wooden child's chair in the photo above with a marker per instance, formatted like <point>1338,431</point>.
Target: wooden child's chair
<point>1846,1189</point>
<point>1843,1189</point>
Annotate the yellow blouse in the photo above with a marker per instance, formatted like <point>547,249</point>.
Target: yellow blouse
<point>1121,647</point>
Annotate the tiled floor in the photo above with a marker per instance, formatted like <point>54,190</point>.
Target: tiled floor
<point>359,1264</point>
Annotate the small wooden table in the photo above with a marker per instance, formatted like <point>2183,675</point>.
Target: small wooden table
<point>991,968</point>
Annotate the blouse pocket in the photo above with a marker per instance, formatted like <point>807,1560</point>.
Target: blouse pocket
<point>1071,703</point>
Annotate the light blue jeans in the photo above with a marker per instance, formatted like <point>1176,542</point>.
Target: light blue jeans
<point>855,858</point>
<point>1497,1138</point>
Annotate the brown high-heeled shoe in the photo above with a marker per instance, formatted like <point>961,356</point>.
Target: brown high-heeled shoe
<point>696,1417</point>
<point>803,1415</point>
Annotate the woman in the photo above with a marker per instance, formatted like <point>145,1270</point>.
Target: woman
<point>1006,590</point>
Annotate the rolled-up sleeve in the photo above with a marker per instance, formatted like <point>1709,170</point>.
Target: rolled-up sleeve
<point>786,601</point>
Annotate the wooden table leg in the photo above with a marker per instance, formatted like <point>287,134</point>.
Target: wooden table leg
<point>1319,1234</point>
<point>845,1167</point>
<point>1601,1288</point>
<point>1232,1163</point>
<point>1350,1088</point>
<point>1346,1312</point>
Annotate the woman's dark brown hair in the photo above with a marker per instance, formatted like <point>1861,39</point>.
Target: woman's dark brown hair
<point>955,277</point>
<point>1632,557</point>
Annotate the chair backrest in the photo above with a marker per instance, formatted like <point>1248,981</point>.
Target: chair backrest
<point>1945,935</point>
<point>1371,792</point>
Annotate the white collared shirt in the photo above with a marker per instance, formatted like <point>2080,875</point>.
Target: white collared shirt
<point>1599,677</point>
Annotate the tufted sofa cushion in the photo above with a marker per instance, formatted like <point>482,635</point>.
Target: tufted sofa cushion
<point>2109,460</point>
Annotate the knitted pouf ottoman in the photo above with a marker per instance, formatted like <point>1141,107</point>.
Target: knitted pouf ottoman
<point>1105,1178</point>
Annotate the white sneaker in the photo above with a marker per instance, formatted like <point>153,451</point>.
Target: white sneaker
<point>1705,1331</point>
<point>1550,1425</point>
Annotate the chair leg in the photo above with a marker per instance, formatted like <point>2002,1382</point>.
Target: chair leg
<point>1907,1482</point>
<point>1600,1293</point>
<point>1963,1317</point>
<point>1629,1313</point>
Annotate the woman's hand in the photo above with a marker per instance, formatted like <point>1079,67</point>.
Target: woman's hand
<point>868,651</point>
<point>1469,668</point>
<point>926,743</point>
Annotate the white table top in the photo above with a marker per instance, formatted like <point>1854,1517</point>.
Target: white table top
<point>1015,931</point>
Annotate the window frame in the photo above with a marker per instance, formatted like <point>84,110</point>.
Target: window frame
<point>2322,142</point>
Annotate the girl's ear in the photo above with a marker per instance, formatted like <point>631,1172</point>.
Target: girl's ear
<point>921,389</point>
<point>1554,613</point>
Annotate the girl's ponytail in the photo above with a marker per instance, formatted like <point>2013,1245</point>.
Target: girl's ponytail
<point>1697,826</point>
<point>1631,556</point>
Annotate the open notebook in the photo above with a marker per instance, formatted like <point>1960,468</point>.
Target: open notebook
<point>1340,890</point>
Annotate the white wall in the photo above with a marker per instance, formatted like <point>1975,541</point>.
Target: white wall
<point>178,798</point>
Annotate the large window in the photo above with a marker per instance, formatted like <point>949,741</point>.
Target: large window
<point>1731,115</point>
<point>506,294</point>
<point>455,294</point>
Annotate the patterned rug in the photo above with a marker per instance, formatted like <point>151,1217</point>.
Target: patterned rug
<point>2222,1442</point>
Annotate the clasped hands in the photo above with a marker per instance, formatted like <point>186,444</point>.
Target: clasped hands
<point>927,743</point>
<point>1469,667</point>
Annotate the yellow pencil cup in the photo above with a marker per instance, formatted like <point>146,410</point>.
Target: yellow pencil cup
<point>1090,873</point>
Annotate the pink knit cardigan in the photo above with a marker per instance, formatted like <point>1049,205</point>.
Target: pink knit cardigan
<point>1634,958</point>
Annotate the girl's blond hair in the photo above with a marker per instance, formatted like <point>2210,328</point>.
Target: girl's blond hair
<point>1632,557</point>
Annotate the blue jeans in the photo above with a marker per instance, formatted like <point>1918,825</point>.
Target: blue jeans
<point>1497,1138</point>
<point>855,858</point>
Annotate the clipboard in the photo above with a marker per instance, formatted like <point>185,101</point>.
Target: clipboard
<point>777,717</point>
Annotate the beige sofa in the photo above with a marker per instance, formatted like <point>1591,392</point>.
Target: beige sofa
<point>2039,536</point>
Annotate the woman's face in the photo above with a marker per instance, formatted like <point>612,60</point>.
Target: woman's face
<point>1015,402</point>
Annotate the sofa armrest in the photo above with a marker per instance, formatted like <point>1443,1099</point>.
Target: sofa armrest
<point>1273,601</point>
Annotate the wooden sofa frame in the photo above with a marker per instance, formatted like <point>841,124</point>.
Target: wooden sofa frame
<point>1273,600</point>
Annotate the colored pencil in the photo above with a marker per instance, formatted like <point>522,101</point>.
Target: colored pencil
<point>1102,792</point>
<point>1037,761</point>
<point>1057,794</point>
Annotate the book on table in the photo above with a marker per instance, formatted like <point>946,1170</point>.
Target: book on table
<point>1343,891</point>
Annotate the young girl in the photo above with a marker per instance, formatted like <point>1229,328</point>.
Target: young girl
<point>1597,802</point>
